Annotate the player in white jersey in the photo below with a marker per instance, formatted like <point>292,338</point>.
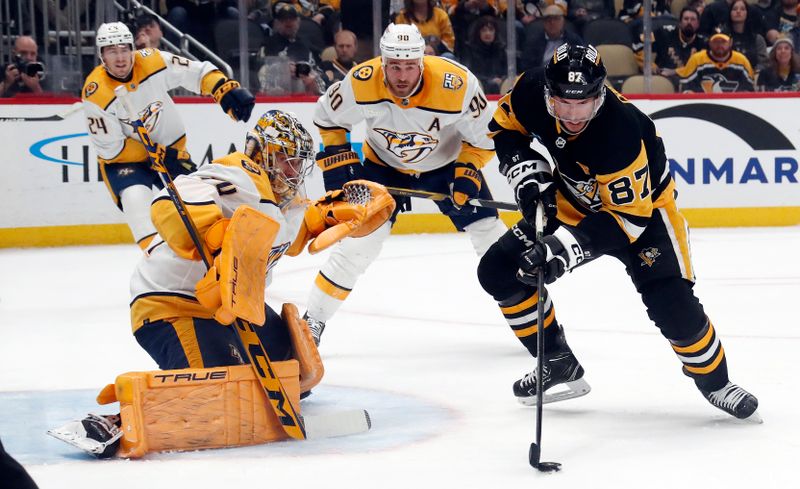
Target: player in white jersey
<point>148,74</point>
<point>178,308</point>
<point>426,129</point>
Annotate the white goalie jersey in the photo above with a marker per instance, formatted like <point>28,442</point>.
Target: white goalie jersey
<point>154,74</point>
<point>445,120</point>
<point>163,284</point>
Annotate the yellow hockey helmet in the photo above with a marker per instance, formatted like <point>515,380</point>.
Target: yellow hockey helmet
<point>284,149</point>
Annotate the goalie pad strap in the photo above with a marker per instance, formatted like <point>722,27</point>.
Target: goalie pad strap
<point>339,159</point>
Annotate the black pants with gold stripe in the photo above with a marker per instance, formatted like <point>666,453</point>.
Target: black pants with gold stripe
<point>659,265</point>
<point>204,343</point>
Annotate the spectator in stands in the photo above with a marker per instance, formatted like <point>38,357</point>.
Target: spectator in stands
<point>634,9</point>
<point>717,69</point>
<point>746,39</point>
<point>357,17</point>
<point>782,74</point>
<point>700,6</point>
<point>537,50</point>
<point>289,65</point>
<point>485,55</point>
<point>25,72</point>
<point>346,44</point>
<point>717,15</point>
<point>463,15</point>
<point>581,12</point>
<point>148,32</point>
<point>674,45</point>
<point>781,19</point>
<point>429,19</point>
<point>196,17</point>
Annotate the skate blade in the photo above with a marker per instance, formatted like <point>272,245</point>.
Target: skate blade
<point>71,433</point>
<point>576,388</point>
<point>754,418</point>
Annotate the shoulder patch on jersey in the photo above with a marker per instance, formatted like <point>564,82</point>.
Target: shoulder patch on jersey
<point>364,73</point>
<point>145,52</point>
<point>90,88</point>
<point>246,164</point>
<point>452,81</point>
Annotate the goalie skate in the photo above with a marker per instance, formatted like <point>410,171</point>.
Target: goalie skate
<point>561,371</point>
<point>97,435</point>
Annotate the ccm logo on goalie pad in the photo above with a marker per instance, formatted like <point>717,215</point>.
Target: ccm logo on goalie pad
<point>189,377</point>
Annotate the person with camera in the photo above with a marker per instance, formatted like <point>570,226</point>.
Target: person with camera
<point>290,66</point>
<point>24,74</point>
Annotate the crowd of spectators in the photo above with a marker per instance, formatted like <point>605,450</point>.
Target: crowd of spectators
<point>305,45</point>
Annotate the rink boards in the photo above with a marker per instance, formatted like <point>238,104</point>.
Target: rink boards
<point>734,159</point>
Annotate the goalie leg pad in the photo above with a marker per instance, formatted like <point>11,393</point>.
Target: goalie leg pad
<point>304,348</point>
<point>193,409</point>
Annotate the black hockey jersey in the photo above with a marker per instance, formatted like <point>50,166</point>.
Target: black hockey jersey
<point>612,175</point>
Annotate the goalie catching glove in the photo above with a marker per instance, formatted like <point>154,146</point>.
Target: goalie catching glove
<point>357,210</point>
<point>560,252</point>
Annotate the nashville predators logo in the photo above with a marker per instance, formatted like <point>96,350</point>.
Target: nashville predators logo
<point>585,191</point>
<point>364,73</point>
<point>90,89</point>
<point>150,115</point>
<point>648,256</point>
<point>452,81</point>
<point>410,147</point>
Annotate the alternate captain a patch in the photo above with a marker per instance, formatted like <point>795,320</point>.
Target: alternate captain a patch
<point>452,81</point>
<point>364,73</point>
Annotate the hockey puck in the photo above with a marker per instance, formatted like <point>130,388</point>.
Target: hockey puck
<point>533,458</point>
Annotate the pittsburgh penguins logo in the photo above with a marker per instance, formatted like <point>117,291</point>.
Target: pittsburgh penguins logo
<point>648,256</point>
<point>585,191</point>
<point>717,83</point>
<point>151,114</point>
<point>90,89</point>
<point>410,147</point>
<point>364,73</point>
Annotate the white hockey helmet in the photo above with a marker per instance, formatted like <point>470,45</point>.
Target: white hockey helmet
<point>402,41</point>
<point>112,34</point>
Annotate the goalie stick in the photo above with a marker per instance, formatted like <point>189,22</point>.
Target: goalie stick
<point>56,117</point>
<point>422,194</point>
<point>287,413</point>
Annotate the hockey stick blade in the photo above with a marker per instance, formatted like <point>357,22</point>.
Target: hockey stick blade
<point>339,423</point>
<point>422,194</point>
<point>533,458</point>
<point>51,118</point>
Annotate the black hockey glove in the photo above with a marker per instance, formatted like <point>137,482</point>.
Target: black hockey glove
<point>339,165</point>
<point>532,182</point>
<point>235,100</point>
<point>557,253</point>
<point>177,162</point>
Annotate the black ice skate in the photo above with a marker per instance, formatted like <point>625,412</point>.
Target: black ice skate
<point>735,401</point>
<point>98,435</point>
<point>560,368</point>
<point>316,327</point>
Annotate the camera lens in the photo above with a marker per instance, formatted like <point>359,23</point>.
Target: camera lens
<point>33,68</point>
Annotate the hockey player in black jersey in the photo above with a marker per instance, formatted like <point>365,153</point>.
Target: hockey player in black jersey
<point>610,192</point>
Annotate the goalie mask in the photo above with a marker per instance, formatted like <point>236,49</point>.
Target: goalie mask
<point>573,75</point>
<point>114,34</point>
<point>284,149</point>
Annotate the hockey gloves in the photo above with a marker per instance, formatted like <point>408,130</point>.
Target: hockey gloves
<point>466,184</point>
<point>532,182</point>
<point>176,161</point>
<point>555,254</point>
<point>339,165</point>
<point>234,99</point>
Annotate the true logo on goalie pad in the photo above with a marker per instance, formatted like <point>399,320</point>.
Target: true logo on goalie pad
<point>191,376</point>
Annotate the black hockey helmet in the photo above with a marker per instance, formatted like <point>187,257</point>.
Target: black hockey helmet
<point>575,72</point>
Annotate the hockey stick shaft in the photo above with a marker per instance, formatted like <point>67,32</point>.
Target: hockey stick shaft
<point>57,117</point>
<point>282,405</point>
<point>540,328</point>
<point>422,194</point>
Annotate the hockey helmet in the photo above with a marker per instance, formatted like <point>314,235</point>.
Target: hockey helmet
<point>576,73</point>
<point>281,146</point>
<point>113,34</point>
<point>402,41</point>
